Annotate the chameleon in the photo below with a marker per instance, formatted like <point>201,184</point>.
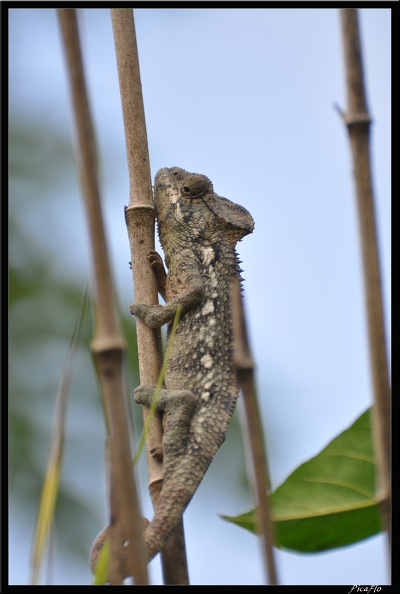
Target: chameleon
<point>198,232</point>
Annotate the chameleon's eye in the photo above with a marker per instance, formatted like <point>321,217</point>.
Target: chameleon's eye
<point>195,186</point>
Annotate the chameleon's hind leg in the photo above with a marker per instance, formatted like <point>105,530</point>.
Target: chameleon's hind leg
<point>178,407</point>
<point>179,477</point>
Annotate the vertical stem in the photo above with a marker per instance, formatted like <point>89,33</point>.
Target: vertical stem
<point>108,344</point>
<point>358,123</point>
<point>245,373</point>
<point>139,214</point>
<point>140,225</point>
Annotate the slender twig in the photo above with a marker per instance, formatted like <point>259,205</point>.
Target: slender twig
<point>358,122</point>
<point>245,372</point>
<point>140,226</point>
<point>108,346</point>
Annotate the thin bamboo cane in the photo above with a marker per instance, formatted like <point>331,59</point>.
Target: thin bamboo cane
<point>140,226</point>
<point>108,345</point>
<point>245,372</point>
<point>358,122</point>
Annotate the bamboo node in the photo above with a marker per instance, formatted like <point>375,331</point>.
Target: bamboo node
<point>133,212</point>
<point>351,119</point>
<point>357,118</point>
<point>105,344</point>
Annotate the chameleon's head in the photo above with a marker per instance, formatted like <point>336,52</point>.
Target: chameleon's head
<point>187,205</point>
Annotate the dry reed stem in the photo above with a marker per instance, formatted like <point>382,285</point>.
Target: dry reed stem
<point>245,372</point>
<point>140,226</point>
<point>108,345</point>
<point>358,122</point>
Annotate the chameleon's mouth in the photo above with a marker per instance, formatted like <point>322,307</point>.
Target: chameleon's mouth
<point>162,177</point>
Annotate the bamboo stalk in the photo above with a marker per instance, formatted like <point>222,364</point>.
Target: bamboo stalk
<point>140,226</point>
<point>358,122</point>
<point>108,346</point>
<point>245,372</point>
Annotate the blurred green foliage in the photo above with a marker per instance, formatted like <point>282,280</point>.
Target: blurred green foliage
<point>44,303</point>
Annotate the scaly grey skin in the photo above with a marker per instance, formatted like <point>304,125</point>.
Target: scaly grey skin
<point>198,231</point>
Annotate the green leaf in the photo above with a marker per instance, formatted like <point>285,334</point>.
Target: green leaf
<point>329,501</point>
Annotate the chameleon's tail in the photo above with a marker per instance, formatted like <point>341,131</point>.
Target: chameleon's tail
<point>185,463</point>
<point>165,520</point>
<point>168,512</point>
<point>174,498</point>
<point>194,430</point>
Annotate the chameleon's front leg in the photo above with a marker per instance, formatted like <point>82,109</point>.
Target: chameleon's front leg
<point>191,294</point>
<point>153,316</point>
<point>157,265</point>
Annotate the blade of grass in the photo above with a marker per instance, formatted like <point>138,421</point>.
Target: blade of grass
<point>48,497</point>
<point>102,567</point>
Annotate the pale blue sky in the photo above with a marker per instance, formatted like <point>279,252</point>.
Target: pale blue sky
<point>246,97</point>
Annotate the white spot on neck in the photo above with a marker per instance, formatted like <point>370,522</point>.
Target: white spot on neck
<point>207,361</point>
<point>208,255</point>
